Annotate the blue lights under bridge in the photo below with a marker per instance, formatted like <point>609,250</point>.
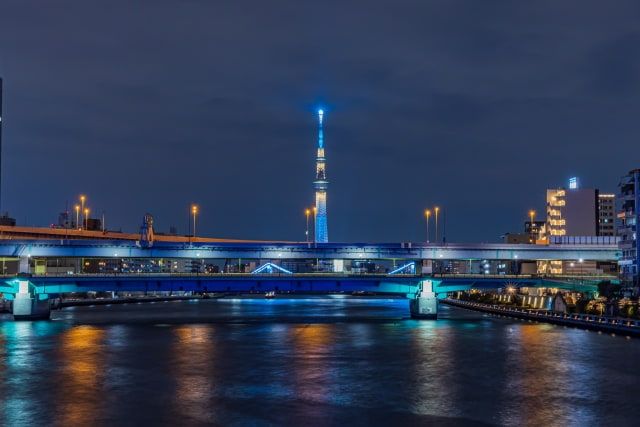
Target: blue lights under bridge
<point>40,269</point>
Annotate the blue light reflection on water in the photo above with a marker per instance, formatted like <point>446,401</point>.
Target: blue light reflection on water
<point>309,361</point>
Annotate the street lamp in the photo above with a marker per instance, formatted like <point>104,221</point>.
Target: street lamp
<point>83,198</point>
<point>427,214</point>
<point>436,210</point>
<point>86,218</point>
<point>194,212</point>
<point>532,215</point>
<point>77,208</point>
<point>581,261</point>
<point>307,212</point>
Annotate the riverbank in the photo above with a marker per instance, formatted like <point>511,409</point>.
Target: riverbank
<point>617,326</point>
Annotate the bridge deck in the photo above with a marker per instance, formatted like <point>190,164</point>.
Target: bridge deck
<point>273,250</point>
<point>325,283</point>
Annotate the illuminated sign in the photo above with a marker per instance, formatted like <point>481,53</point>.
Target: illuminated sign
<point>573,183</point>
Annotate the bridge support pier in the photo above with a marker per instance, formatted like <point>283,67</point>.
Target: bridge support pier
<point>29,305</point>
<point>23,265</point>
<point>425,304</point>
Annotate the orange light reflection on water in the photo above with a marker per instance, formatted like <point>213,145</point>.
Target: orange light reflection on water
<point>539,377</point>
<point>311,346</point>
<point>193,355</point>
<point>81,377</point>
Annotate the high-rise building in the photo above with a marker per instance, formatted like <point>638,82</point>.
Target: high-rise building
<point>571,212</point>
<point>320,185</point>
<point>628,218</point>
<point>606,214</point>
<point>576,211</point>
<point>533,229</point>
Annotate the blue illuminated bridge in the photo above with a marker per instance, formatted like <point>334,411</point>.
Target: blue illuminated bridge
<point>38,269</point>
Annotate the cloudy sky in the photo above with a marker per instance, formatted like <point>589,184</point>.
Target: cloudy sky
<point>476,106</point>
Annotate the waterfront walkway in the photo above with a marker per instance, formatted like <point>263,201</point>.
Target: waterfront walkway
<point>613,325</point>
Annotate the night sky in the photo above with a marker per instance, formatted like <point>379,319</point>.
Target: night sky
<point>476,106</point>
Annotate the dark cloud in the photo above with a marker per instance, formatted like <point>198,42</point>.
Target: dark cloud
<point>476,106</point>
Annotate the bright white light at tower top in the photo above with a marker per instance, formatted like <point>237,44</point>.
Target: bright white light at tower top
<point>320,114</point>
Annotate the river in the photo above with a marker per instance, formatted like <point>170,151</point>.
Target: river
<point>316,361</point>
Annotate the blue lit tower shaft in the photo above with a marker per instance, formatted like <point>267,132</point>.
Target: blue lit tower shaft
<point>320,185</point>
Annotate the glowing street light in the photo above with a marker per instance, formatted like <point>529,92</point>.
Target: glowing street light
<point>532,216</point>
<point>427,214</point>
<point>307,212</point>
<point>194,212</point>
<point>436,210</point>
<point>86,218</point>
<point>83,199</point>
<point>77,208</point>
<point>580,262</point>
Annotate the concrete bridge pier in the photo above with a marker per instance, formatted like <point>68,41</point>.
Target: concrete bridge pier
<point>28,304</point>
<point>425,304</point>
<point>23,264</point>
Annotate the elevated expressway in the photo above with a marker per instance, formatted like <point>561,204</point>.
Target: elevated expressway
<point>105,248</point>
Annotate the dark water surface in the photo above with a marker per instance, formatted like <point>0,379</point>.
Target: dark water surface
<point>309,362</point>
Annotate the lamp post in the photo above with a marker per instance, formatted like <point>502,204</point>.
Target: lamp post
<point>532,216</point>
<point>436,210</point>
<point>580,261</point>
<point>427,214</point>
<point>86,218</point>
<point>194,212</point>
<point>307,212</point>
<point>83,198</point>
<point>77,208</point>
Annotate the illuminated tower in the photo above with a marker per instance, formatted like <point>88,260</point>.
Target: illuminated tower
<point>320,185</point>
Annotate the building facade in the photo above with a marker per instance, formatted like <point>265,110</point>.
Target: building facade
<point>628,217</point>
<point>576,211</point>
<point>606,214</point>
<point>534,229</point>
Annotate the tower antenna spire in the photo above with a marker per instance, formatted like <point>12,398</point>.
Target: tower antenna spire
<point>320,185</point>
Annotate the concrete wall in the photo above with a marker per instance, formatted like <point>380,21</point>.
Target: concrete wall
<point>580,212</point>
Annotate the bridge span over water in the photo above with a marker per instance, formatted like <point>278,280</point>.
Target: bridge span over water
<point>62,248</point>
<point>30,294</point>
<point>412,278</point>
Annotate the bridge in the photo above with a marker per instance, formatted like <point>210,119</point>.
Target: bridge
<point>422,290</point>
<point>66,248</point>
<point>46,267</point>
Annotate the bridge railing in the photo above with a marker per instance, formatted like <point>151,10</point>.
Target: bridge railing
<point>526,276</point>
<point>213,275</point>
<point>596,318</point>
<point>561,277</point>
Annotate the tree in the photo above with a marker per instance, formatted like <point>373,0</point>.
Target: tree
<point>608,290</point>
